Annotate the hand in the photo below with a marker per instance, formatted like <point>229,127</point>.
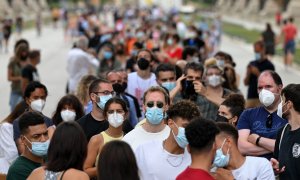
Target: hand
<point>275,166</point>
<point>254,70</point>
<point>199,88</point>
<point>252,138</point>
<point>223,174</point>
<point>178,82</point>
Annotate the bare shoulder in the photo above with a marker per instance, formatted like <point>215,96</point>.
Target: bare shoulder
<point>75,174</point>
<point>96,140</point>
<point>38,173</point>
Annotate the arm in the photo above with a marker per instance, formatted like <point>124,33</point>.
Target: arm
<point>247,77</point>
<point>264,142</point>
<point>200,89</point>
<point>177,88</point>
<point>93,151</point>
<point>24,83</point>
<point>11,77</point>
<point>248,148</point>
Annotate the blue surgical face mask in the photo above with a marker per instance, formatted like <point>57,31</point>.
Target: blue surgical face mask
<point>103,100</point>
<point>257,56</point>
<point>180,138</point>
<point>221,160</point>
<point>154,115</point>
<point>107,55</point>
<point>38,148</point>
<point>134,52</point>
<point>169,85</point>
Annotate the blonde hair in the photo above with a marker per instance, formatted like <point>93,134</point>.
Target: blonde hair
<point>83,88</point>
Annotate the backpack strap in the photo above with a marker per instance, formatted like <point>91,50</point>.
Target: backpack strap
<point>282,133</point>
<point>61,177</point>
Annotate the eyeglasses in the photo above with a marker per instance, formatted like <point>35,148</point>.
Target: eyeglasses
<point>106,92</point>
<point>119,111</point>
<point>269,121</point>
<point>159,104</point>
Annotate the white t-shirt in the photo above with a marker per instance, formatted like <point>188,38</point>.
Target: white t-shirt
<point>8,148</point>
<point>140,136</point>
<point>137,86</point>
<point>155,163</point>
<point>254,168</point>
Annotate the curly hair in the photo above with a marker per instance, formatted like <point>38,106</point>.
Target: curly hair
<point>201,134</point>
<point>82,88</point>
<point>236,104</point>
<point>184,109</point>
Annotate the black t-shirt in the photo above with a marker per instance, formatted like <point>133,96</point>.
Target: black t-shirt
<point>261,65</point>
<point>91,126</point>
<point>30,72</point>
<point>196,42</point>
<point>289,153</point>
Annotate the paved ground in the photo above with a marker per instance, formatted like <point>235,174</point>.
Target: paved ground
<point>53,66</point>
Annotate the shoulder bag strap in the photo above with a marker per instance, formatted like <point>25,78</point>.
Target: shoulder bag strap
<point>282,133</point>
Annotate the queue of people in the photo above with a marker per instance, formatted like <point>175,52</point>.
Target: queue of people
<point>150,98</point>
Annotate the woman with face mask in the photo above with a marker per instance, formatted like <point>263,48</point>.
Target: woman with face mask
<point>171,50</point>
<point>115,112</point>
<point>108,61</point>
<point>68,108</point>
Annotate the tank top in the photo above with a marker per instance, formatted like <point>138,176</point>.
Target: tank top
<point>107,138</point>
<point>50,175</point>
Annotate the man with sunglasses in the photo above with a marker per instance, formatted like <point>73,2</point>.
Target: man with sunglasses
<point>155,105</point>
<point>34,135</point>
<point>165,159</point>
<point>100,92</point>
<point>258,126</point>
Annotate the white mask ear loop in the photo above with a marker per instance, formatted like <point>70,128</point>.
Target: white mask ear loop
<point>223,143</point>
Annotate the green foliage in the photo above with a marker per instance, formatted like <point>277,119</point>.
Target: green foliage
<point>238,31</point>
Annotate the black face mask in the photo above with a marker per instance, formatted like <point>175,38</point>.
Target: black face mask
<point>143,63</point>
<point>124,84</point>
<point>221,118</point>
<point>118,88</point>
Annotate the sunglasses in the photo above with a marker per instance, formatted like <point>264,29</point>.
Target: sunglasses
<point>269,121</point>
<point>159,104</point>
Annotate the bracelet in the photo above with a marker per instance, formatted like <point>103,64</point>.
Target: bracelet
<point>257,141</point>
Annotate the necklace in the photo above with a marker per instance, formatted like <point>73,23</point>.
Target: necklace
<point>173,160</point>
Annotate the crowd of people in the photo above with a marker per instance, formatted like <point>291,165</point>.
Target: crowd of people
<point>150,96</point>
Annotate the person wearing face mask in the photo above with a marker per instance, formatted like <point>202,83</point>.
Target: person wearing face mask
<point>68,108</point>
<point>35,96</point>
<point>200,134</point>
<point>116,79</point>
<point>115,111</point>
<point>208,97</point>
<point>190,54</point>
<point>166,76</point>
<point>34,136</point>
<point>258,126</point>
<point>229,163</point>
<point>171,51</point>
<point>286,160</point>
<point>254,68</point>
<point>109,61</point>
<point>143,78</point>
<point>231,109</point>
<point>155,105</point>
<point>171,153</point>
<point>14,72</point>
<point>93,123</point>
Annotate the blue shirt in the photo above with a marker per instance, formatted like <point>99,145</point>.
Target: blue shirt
<point>255,119</point>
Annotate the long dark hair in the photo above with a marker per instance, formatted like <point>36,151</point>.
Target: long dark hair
<point>68,148</point>
<point>18,111</point>
<point>71,101</point>
<point>117,162</point>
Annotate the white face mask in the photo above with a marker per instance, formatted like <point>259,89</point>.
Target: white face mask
<point>37,105</point>
<point>115,119</point>
<point>214,80</point>
<point>68,115</point>
<point>266,97</point>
